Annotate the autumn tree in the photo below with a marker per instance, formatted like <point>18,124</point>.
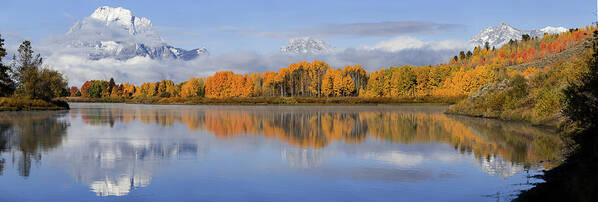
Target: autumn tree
<point>128,90</point>
<point>269,84</point>
<point>117,91</point>
<point>358,76</point>
<point>336,83</point>
<point>96,89</point>
<point>146,90</point>
<point>85,89</point>
<point>316,72</point>
<point>74,91</point>
<point>402,81</point>
<point>195,87</point>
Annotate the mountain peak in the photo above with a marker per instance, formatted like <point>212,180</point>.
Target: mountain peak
<point>109,14</point>
<point>123,17</point>
<point>504,26</point>
<point>502,33</point>
<point>497,35</point>
<point>306,45</point>
<point>117,33</point>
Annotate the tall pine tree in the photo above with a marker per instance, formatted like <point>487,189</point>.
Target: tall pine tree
<point>26,64</point>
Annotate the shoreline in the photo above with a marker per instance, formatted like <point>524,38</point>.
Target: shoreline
<point>25,104</point>
<point>268,101</point>
<point>553,126</point>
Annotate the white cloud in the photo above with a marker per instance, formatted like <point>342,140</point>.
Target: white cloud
<point>409,43</point>
<point>397,158</point>
<point>137,70</point>
<point>142,69</point>
<point>367,29</point>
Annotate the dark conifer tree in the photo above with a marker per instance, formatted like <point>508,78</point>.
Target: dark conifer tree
<point>462,55</point>
<point>111,84</point>
<point>26,63</point>
<point>7,85</point>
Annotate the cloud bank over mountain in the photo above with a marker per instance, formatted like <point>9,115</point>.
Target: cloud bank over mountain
<point>116,33</point>
<point>112,42</point>
<point>137,70</point>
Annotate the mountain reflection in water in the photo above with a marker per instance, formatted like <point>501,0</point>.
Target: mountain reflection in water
<point>115,148</point>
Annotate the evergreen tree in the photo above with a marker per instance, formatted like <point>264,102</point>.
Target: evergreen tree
<point>111,84</point>
<point>487,45</point>
<point>7,86</point>
<point>26,63</point>
<point>462,55</point>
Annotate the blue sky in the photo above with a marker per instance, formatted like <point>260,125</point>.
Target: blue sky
<point>226,26</point>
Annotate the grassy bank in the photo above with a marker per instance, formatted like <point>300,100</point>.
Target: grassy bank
<point>267,100</point>
<point>22,104</point>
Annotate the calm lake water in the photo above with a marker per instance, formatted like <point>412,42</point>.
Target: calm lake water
<point>121,152</point>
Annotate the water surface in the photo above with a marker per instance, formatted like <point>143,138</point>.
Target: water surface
<point>266,153</point>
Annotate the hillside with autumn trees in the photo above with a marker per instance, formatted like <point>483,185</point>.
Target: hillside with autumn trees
<point>450,82</point>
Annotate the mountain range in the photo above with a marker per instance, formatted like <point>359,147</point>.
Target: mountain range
<point>496,36</point>
<point>116,33</point>
<point>502,33</point>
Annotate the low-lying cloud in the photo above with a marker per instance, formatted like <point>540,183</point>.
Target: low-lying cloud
<point>78,68</point>
<point>407,42</point>
<point>376,29</point>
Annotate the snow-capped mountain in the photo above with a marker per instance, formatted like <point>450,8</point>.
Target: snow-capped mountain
<point>306,45</point>
<point>116,33</point>
<point>554,30</point>
<point>502,33</point>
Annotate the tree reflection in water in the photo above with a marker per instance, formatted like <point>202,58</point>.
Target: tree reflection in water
<point>25,135</point>
<point>317,127</point>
